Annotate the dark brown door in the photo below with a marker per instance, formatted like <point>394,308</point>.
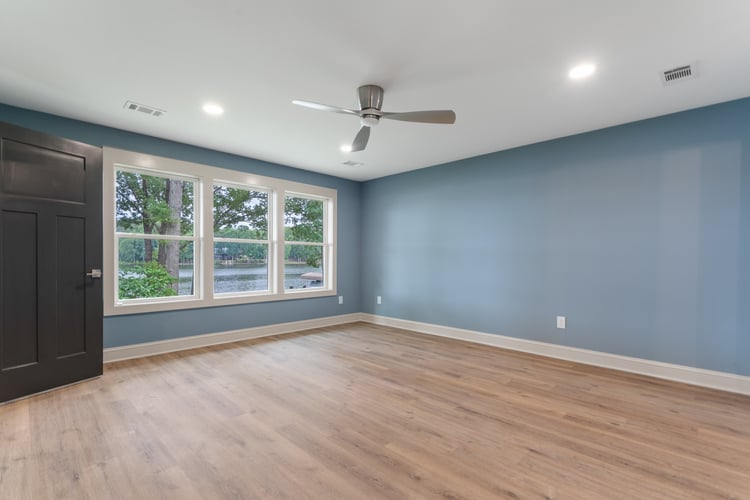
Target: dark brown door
<point>50,238</point>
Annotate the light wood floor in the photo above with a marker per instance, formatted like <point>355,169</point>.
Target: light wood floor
<point>367,412</point>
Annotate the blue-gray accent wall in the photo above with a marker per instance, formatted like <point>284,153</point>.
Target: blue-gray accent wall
<point>137,328</point>
<point>638,234</point>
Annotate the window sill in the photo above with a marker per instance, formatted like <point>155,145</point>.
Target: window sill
<point>190,303</point>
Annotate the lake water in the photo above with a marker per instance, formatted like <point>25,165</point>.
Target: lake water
<point>248,277</point>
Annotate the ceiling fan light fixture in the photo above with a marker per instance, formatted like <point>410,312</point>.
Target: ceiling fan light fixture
<point>346,148</point>
<point>369,120</point>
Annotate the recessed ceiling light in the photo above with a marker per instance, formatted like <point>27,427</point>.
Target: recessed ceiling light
<point>213,109</point>
<point>346,148</point>
<point>582,71</point>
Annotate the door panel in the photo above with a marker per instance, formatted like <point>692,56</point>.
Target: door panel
<point>24,165</point>
<point>50,207</point>
<point>19,330</point>
<point>71,289</point>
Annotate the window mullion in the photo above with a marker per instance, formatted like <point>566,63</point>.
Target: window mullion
<point>241,240</point>
<point>306,243</point>
<point>278,217</point>
<point>329,238</point>
<point>156,236</point>
<point>207,239</point>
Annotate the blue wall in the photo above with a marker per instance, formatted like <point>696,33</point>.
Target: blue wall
<point>122,330</point>
<point>639,234</point>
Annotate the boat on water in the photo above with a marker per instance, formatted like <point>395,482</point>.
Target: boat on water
<point>312,276</point>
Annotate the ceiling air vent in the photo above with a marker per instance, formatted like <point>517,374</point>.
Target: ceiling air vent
<point>350,163</point>
<point>148,110</point>
<point>678,74</point>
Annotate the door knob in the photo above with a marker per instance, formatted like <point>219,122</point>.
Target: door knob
<point>95,274</point>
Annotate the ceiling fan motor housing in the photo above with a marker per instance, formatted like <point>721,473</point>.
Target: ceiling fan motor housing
<point>370,103</point>
<point>370,97</point>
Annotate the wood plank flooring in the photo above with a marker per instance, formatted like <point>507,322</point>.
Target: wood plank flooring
<point>368,412</point>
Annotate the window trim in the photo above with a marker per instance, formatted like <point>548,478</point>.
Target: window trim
<point>325,246</point>
<point>205,177</point>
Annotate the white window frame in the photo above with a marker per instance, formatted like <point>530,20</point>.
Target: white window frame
<point>194,238</point>
<point>326,243</point>
<point>268,241</point>
<point>204,177</point>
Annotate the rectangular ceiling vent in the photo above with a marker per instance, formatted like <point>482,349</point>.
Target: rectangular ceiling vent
<point>678,74</point>
<point>148,110</point>
<point>350,163</point>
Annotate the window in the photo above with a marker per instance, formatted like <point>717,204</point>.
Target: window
<point>304,247</point>
<point>241,244</point>
<point>181,235</point>
<point>154,235</point>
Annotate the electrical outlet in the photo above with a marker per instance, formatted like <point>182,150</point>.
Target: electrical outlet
<point>341,299</point>
<point>561,322</point>
<point>380,299</point>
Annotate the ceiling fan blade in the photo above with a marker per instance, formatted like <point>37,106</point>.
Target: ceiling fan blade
<point>435,116</point>
<point>360,141</point>
<point>325,107</point>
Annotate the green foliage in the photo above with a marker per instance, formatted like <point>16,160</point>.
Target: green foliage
<point>311,255</point>
<point>143,205</point>
<point>241,232</point>
<point>303,221</point>
<point>131,250</point>
<point>241,252</point>
<point>148,279</point>
<point>240,213</point>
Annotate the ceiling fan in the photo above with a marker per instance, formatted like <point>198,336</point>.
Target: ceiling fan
<point>369,113</point>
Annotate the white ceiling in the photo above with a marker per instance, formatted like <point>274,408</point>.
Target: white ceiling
<point>501,65</point>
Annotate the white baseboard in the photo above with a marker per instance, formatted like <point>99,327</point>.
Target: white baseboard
<point>131,351</point>
<point>679,373</point>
